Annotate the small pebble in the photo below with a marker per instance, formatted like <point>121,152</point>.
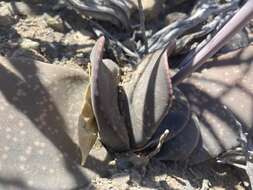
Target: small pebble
<point>6,14</point>
<point>29,44</point>
<point>55,22</point>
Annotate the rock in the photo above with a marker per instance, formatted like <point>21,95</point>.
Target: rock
<point>55,22</point>
<point>239,40</point>
<point>152,8</point>
<point>175,16</point>
<point>29,44</point>
<point>21,8</point>
<point>6,14</point>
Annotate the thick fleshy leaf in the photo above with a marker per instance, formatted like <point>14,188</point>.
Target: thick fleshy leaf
<point>200,154</point>
<point>40,108</point>
<point>149,95</point>
<point>219,128</point>
<point>177,118</point>
<point>104,97</point>
<point>222,97</point>
<point>180,147</point>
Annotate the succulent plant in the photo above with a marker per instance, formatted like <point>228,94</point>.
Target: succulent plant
<point>213,126</point>
<point>124,128</point>
<point>203,122</point>
<point>106,10</point>
<point>47,111</point>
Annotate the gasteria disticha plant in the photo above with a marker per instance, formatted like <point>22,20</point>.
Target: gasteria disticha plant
<point>201,111</point>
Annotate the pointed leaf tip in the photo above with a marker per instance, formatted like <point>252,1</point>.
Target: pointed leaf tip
<point>97,51</point>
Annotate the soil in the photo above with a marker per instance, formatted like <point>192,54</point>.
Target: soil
<point>52,33</point>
